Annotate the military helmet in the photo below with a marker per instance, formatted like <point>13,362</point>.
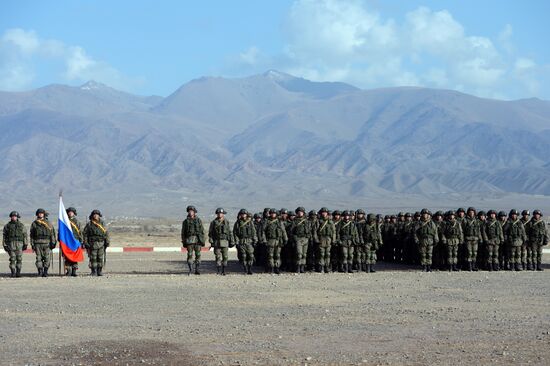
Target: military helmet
<point>291,214</point>
<point>371,217</point>
<point>460,209</point>
<point>71,209</point>
<point>346,213</point>
<point>401,214</point>
<point>266,210</point>
<point>96,212</point>
<point>408,214</point>
<point>300,209</point>
<point>439,213</point>
<point>501,214</point>
<point>312,213</point>
<point>417,214</point>
<point>323,209</point>
<point>393,217</point>
<point>360,211</point>
<point>378,217</point>
<point>513,212</point>
<point>471,209</point>
<point>336,213</point>
<point>490,212</point>
<point>272,211</point>
<point>386,217</point>
<point>40,210</point>
<point>525,213</point>
<point>537,212</point>
<point>220,210</point>
<point>451,213</point>
<point>481,213</point>
<point>283,211</point>
<point>243,211</point>
<point>15,213</point>
<point>257,216</point>
<point>425,211</point>
<point>191,208</point>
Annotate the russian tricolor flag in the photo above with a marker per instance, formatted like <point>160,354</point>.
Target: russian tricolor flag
<point>72,250</point>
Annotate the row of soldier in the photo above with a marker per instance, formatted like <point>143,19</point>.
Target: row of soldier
<point>43,239</point>
<point>351,241</point>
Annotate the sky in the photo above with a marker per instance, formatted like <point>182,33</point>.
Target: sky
<point>495,49</point>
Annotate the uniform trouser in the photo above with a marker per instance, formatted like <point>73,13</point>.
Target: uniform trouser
<point>452,253</point>
<point>515,254</point>
<point>273,253</point>
<point>97,254</point>
<point>346,253</point>
<point>310,256</point>
<point>361,254</point>
<point>523,252</point>
<point>426,253</point>
<point>247,252</point>
<point>492,251</point>
<point>42,251</point>
<point>301,245</point>
<point>16,254</point>
<point>370,254</point>
<point>503,254</point>
<point>69,264</point>
<point>471,250</point>
<point>221,254</point>
<point>193,250</point>
<point>534,253</point>
<point>323,251</point>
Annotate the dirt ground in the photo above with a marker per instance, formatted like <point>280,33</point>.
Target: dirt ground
<point>146,310</point>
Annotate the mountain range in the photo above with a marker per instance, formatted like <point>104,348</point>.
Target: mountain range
<point>270,140</point>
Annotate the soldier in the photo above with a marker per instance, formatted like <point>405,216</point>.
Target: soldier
<point>220,238</point>
<point>537,235</point>
<point>259,249</point>
<point>335,259</point>
<point>503,258</point>
<point>346,237</point>
<point>70,266</point>
<point>409,255</point>
<point>302,234</point>
<point>276,237</point>
<point>525,214</point>
<point>312,245</point>
<point>192,239</point>
<point>244,231</point>
<point>399,237</point>
<point>284,257</point>
<point>514,232</point>
<point>425,236</point>
<point>481,259</point>
<point>325,236</point>
<point>471,229</point>
<point>494,237</point>
<point>15,242</point>
<point>438,256</point>
<point>452,237</point>
<point>96,241</point>
<point>43,240</point>
<point>373,241</point>
<point>360,249</point>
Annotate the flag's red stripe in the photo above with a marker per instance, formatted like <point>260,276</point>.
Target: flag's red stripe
<point>73,256</point>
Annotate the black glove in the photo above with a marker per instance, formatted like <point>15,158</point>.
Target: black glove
<point>6,249</point>
<point>87,246</point>
<point>25,246</point>
<point>52,245</point>
<point>107,244</point>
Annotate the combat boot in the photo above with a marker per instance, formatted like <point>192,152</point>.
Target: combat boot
<point>45,272</point>
<point>99,271</point>
<point>539,268</point>
<point>350,269</point>
<point>364,267</point>
<point>219,269</point>
<point>12,272</point>
<point>455,268</point>
<point>93,272</point>
<point>368,268</point>
<point>490,267</point>
<point>372,268</point>
<point>496,267</point>
<point>249,269</point>
<point>190,269</point>
<point>529,267</point>
<point>327,269</point>
<point>470,267</point>
<point>474,267</point>
<point>197,270</point>
<point>449,267</point>
<point>303,268</point>
<point>277,271</point>
<point>523,266</point>
<point>73,272</point>
<point>18,272</point>
<point>40,272</point>
<point>517,267</point>
<point>344,268</point>
<point>319,269</point>
<point>223,270</point>
<point>428,268</point>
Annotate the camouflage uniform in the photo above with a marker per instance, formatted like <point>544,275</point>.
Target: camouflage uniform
<point>15,242</point>
<point>525,221</point>
<point>514,232</point>
<point>425,236</point>
<point>244,231</point>
<point>471,228</point>
<point>373,241</point>
<point>494,237</point>
<point>452,238</point>
<point>70,266</point>
<point>325,236</point>
<point>503,258</point>
<point>360,250</point>
<point>192,239</point>
<point>259,252</point>
<point>312,245</point>
<point>96,240</point>
<point>302,234</point>
<point>43,240</point>
<point>347,238</point>
<point>537,235</point>
<point>220,238</point>
<point>276,237</point>
<point>409,255</point>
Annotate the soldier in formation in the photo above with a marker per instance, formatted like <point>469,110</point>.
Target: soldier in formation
<point>43,240</point>
<point>192,239</point>
<point>96,242</point>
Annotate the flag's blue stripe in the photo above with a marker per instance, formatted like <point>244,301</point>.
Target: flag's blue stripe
<point>67,237</point>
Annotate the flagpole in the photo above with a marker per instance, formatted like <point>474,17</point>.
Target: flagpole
<point>60,197</point>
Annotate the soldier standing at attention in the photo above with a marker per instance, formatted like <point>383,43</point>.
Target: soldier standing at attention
<point>192,239</point>
<point>220,238</point>
<point>438,256</point>
<point>452,237</point>
<point>537,235</point>
<point>494,238</point>
<point>312,245</point>
<point>482,247</point>
<point>70,266</point>
<point>96,241</point>
<point>525,217</point>
<point>372,238</point>
<point>360,250</point>
<point>425,236</point>
<point>346,237</point>
<point>471,228</point>
<point>245,237</point>
<point>275,235</point>
<point>302,233</point>
<point>325,237</point>
<point>14,241</point>
<point>43,240</point>
<point>514,232</point>
<point>259,251</point>
<point>503,258</point>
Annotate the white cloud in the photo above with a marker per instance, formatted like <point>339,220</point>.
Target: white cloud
<point>344,40</point>
<point>22,51</point>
